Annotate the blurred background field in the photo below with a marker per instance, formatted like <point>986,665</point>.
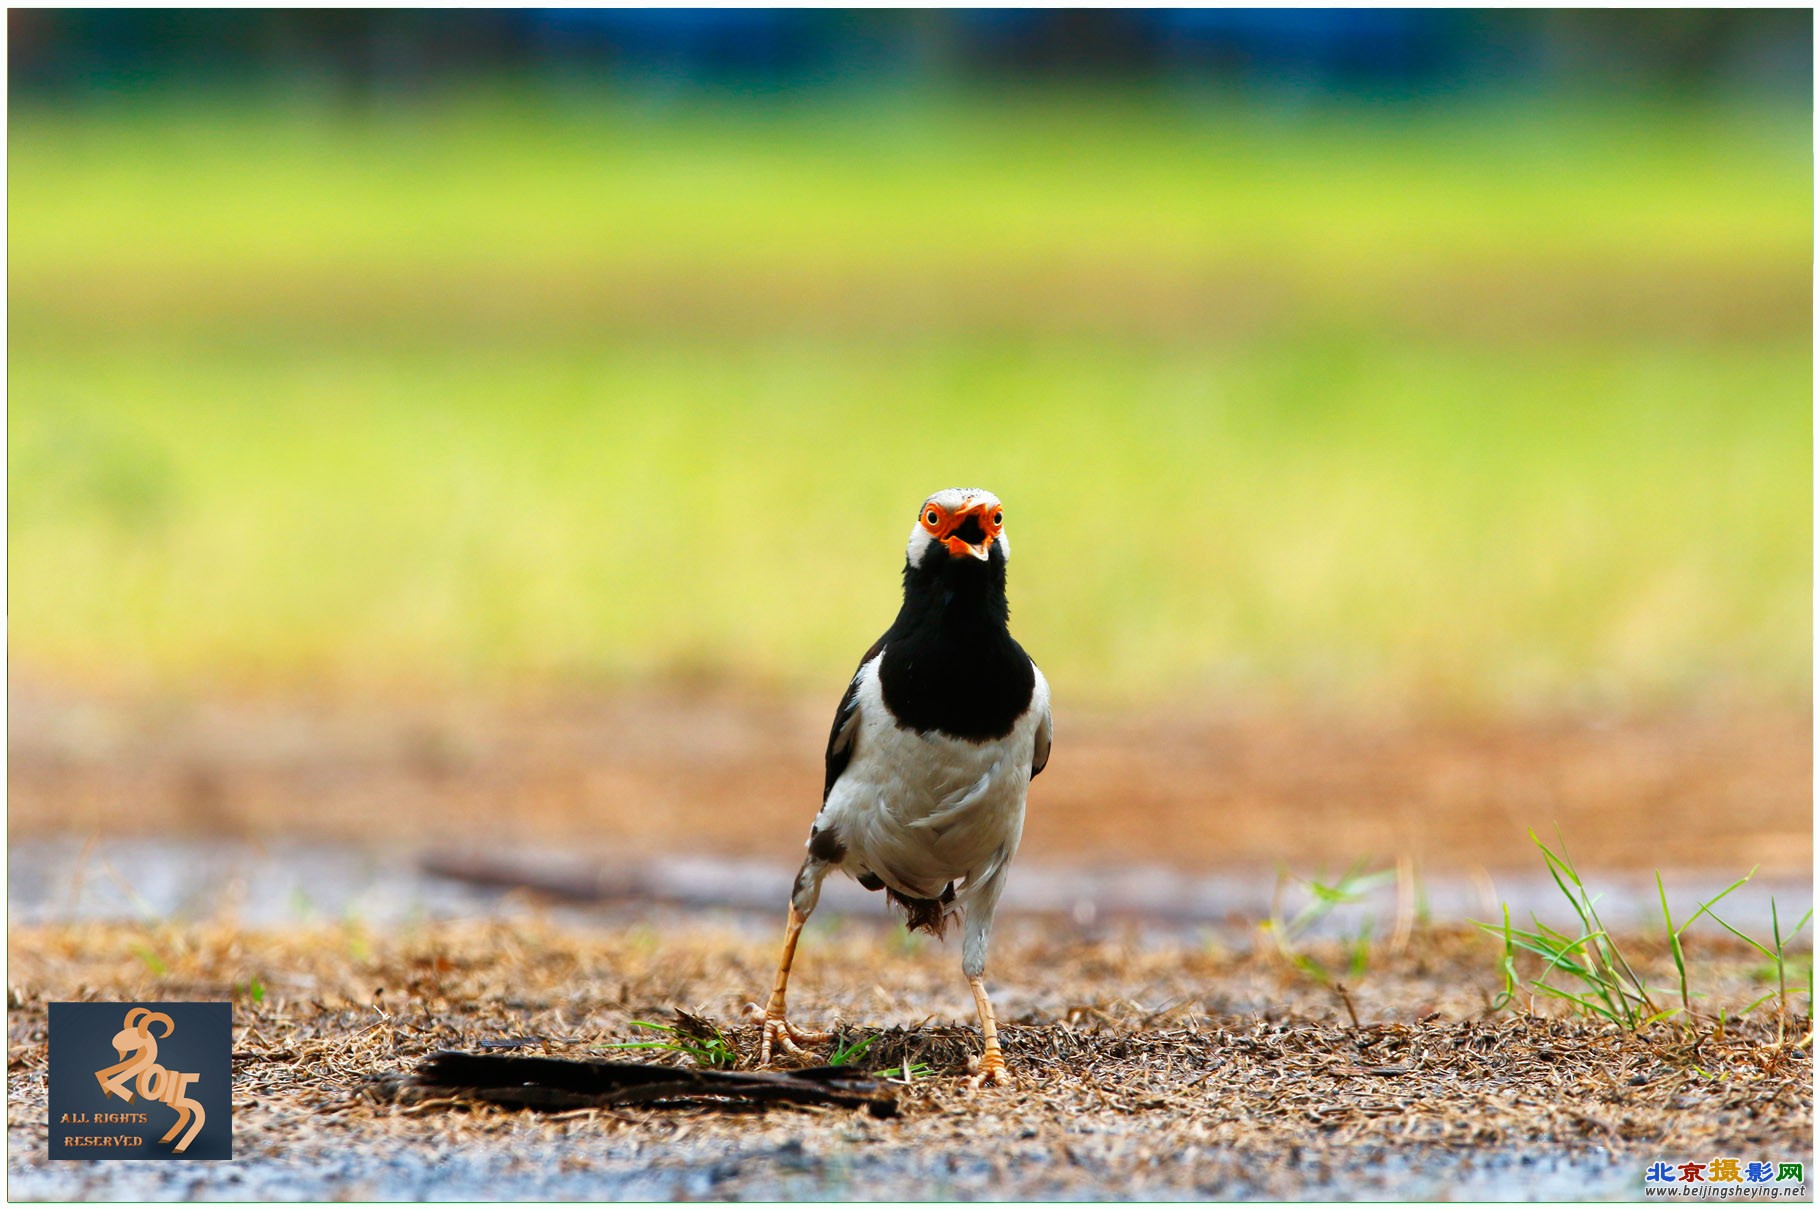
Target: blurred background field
<point>1332,366</point>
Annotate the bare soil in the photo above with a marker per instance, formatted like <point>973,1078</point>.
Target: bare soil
<point>737,772</point>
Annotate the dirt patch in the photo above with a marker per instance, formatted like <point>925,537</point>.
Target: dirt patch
<point>737,773</point>
<point>1143,1069</point>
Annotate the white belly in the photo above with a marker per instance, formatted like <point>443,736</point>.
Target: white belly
<point>921,811</point>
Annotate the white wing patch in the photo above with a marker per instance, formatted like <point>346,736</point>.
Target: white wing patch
<point>1039,756</point>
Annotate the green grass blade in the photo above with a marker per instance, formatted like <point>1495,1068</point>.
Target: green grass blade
<point>1744,937</point>
<point>1706,907</point>
<point>1674,947</point>
<point>1589,1005</point>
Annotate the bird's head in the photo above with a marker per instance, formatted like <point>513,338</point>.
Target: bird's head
<point>960,526</point>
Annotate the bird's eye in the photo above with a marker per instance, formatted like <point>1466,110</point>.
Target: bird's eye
<point>932,518</point>
<point>998,518</point>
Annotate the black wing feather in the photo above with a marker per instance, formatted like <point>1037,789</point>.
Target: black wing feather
<point>846,726</point>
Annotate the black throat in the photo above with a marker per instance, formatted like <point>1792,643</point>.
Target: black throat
<point>950,663</point>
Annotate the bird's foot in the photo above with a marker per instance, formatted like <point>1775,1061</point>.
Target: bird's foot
<point>780,1033</point>
<point>990,1070</point>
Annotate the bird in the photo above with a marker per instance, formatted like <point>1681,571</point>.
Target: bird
<point>930,759</point>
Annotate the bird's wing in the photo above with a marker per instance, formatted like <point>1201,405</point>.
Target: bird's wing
<point>1040,755</point>
<point>846,725</point>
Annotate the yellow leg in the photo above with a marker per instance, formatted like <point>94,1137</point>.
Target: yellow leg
<point>992,1068</point>
<point>777,1030</point>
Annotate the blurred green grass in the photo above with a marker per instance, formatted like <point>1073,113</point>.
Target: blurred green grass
<point>1489,406</point>
<point>228,188</point>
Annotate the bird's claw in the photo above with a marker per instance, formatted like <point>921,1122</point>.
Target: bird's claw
<point>780,1033</point>
<point>992,1071</point>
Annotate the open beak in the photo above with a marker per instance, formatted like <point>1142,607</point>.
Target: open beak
<point>971,522</point>
<point>979,550</point>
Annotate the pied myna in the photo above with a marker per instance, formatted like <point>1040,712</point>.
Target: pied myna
<point>931,755</point>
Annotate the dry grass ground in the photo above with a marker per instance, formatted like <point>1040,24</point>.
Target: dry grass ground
<point>1153,1069</point>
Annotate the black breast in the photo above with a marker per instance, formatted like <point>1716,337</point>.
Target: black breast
<point>950,663</point>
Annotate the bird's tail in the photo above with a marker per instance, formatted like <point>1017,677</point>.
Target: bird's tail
<point>929,915</point>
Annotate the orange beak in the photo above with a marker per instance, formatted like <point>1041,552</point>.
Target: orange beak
<point>980,514</point>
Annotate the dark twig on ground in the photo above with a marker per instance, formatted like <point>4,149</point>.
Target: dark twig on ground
<point>532,1082</point>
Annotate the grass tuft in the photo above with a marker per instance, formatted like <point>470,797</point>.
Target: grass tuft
<point>848,1052</point>
<point>1587,969</point>
<point>696,1037</point>
<point>1290,935</point>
